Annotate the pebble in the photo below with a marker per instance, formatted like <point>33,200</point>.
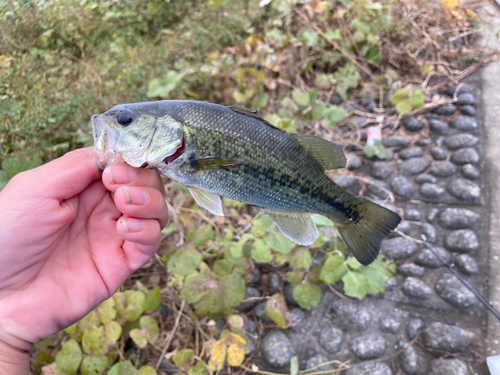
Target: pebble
<point>368,346</point>
<point>411,269</point>
<point>379,193</point>
<point>431,190</point>
<point>427,259</point>
<point>381,169</point>
<point>389,324</point>
<point>423,178</point>
<point>250,292</point>
<point>466,99</point>
<point>466,264</point>
<point>398,248</point>
<point>432,116</point>
<point>453,291</point>
<point>430,232</point>
<point>460,140</point>
<point>275,283</point>
<point>250,326</point>
<point>252,348</point>
<point>378,368</point>
<point>464,189</point>
<point>466,155</point>
<point>413,152</point>
<point>408,359</point>
<point>424,142</point>
<point>277,349</point>
<point>354,161</point>
<point>167,366</point>
<point>260,312</point>
<point>462,240</point>
<point>414,325</point>
<point>412,214</point>
<point>458,218</point>
<point>443,169</point>
<point>351,315</point>
<point>412,124</point>
<point>468,110</point>
<point>445,110</point>
<point>464,88</point>
<point>369,104</point>
<point>448,366</point>
<point>336,100</point>
<point>439,153</point>
<point>416,288</point>
<point>439,126</point>
<point>298,319</point>
<point>402,187</point>
<point>396,141</point>
<point>471,172</point>
<point>289,295</point>
<point>442,336</point>
<point>331,338</point>
<point>255,276</point>
<point>431,216</point>
<point>404,227</point>
<point>464,123</point>
<point>317,360</point>
<point>391,283</point>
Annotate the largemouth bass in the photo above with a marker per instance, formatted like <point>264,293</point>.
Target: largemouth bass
<point>232,152</point>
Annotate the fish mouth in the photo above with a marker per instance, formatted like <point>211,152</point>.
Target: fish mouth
<point>105,139</point>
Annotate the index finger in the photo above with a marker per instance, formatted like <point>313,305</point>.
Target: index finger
<point>122,174</point>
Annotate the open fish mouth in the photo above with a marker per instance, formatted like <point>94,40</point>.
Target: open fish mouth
<point>105,139</point>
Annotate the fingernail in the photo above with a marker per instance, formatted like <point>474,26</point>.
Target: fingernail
<point>135,195</point>
<point>121,174</point>
<point>131,225</point>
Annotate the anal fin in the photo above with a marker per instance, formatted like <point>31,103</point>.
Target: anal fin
<point>209,201</point>
<point>298,227</point>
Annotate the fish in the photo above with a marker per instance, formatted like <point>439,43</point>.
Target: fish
<point>230,151</point>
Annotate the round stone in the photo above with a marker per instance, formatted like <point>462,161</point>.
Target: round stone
<point>464,189</point>
<point>350,315</point>
<point>454,292</point>
<point>465,123</point>
<point>468,110</point>
<point>250,292</point>
<point>416,288</point>
<point>398,248</point>
<point>445,110</point>
<point>466,264</point>
<point>465,156</point>
<point>443,169</point>
<point>378,368</point>
<point>466,99</point>
<point>317,360</point>
<point>460,140</point>
<point>431,216</point>
<point>336,100</point>
<point>396,141</point>
<point>252,348</point>
<point>405,227</point>
<point>402,187</point>
<point>423,178</point>
<point>379,193</point>
<point>275,283</point>
<point>389,324</point>
<point>330,339</point>
<point>289,295</point>
<point>412,124</point>
<point>369,104</point>
<point>442,336</point>
<point>430,232</point>
<point>414,325</point>
<point>411,269</point>
<point>464,88</point>
<point>260,312</point>
<point>298,320</point>
<point>277,349</point>
<point>408,359</point>
<point>439,126</point>
<point>255,276</point>
<point>431,190</point>
<point>250,326</point>
<point>427,259</point>
<point>354,161</point>
<point>462,240</point>
<point>368,346</point>
<point>412,214</point>
<point>443,366</point>
<point>391,283</point>
<point>439,153</point>
<point>414,166</point>
<point>458,218</point>
<point>422,142</point>
<point>381,169</point>
<point>413,152</point>
<point>471,172</point>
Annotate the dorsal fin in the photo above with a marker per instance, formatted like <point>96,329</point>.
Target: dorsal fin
<point>329,155</point>
<point>251,113</point>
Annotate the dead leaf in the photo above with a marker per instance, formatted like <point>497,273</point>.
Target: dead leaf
<point>217,355</point>
<point>450,4</point>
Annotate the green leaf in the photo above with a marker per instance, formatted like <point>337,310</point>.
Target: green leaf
<point>399,96</point>
<point>403,107</point>
<point>69,357</point>
<point>309,37</point>
<point>307,295</point>
<point>279,242</point>
<point>261,252</point>
<point>328,272</point>
<point>369,151</point>
<point>334,114</point>
<point>277,310</point>
<point>294,365</point>
<point>202,290</point>
<point>106,311</point>
<point>183,356</point>
<point>260,102</point>
<point>222,268</point>
<point>301,98</point>
<point>130,304</point>
<point>321,221</point>
<point>153,299</point>
<point>147,370</point>
<point>184,261</point>
<point>200,235</point>
<point>112,332</point>
<point>123,368</point>
<point>294,278</point>
<point>301,258</point>
<point>94,365</point>
<point>353,263</point>
<point>356,285</point>
<point>417,99</point>
<point>198,369</point>
<point>162,87</point>
<point>150,326</point>
<point>139,338</point>
<point>93,341</point>
<point>376,275</point>
<point>233,287</point>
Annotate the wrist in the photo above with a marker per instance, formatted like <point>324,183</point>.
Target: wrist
<point>13,361</point>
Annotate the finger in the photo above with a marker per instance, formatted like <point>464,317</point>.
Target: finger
<point>142,203</point>
<point>117,175</point>
<point>142,239</point>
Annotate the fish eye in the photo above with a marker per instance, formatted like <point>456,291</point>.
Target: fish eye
<point>124,118</point>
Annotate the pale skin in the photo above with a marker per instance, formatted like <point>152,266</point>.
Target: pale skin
<point>70,235</point>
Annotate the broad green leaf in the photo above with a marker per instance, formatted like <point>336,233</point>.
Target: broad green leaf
<point>202,290</point>
<point>221,268</point>
<point>123,368</point>
<point>417,99</point>
<point>106,311</point>
<point>399,96</point>
<point>93,341</point>
<point>309,36</point>
<point>301,258</point>
<point>94,365</point>
<point>130,304</point>
<point>332,263</point>
<point>353,263</point>
<point>233,287</point>
<point>319,111</point>
<point>294,365</point>
<point>112,332</point>
<point>260,101</point>
<point>302,98</point>
<point>72,331</point>
<point>183,356</point>
<point>334,115</point>
<point>294,278</point>
<point>198,369</point>
<point>337,246</point>
<point>261,252</point>
<point>369,151</point>
<point>313,275</point>
<point>277,310</point>
<point>69,357</point>
<point>147,370</point>
<point>403,107</point>
<point>376,276</point>
<point>150,326</point>
<point>321,221</point>
<point>279,242</point>
<point>90,320</point>
<point>153,299</point>
<point>356,285</point>
<point>139,337</point>
<point>200,235</point>
<point>307,295</point>
<point>162,87</point>
<point>184,261</point>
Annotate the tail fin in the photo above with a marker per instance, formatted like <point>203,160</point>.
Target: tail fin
<point>365,234</point>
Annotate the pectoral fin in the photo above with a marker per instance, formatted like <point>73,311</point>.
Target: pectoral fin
<point>209,201</point>
<point>213,163</point>
<point>298,227</point>
<point>329,155</point>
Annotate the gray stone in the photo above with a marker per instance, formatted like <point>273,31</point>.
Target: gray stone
<point>424,142</point>
<point>255,276</point>
<point>345,182</point>
<point>462,240</point>
<point>468,110</point>
<point>466,155</point>
<point>275,283</point>
<point>423,178</point>
<point>411,269</point>
<point>250,326</point>
<point>431,190</point>
<point>453,291</point>
<point>277,349</point>
<point>378,368</point>
<point>317,360</point>
<point>466,264</point>
<point>465,123</point>
<point>439,153</point>
<point>260,312</point>
<point>298,320</point>
<point>471,172</point>
<point>336,100</point>
<point>439,126</point>
<point>464,88</point>
<point>443,366</point>
<point>430,232</point>
<point>330,339</point>
<point>220,325</point>
<point>416,288</point>
<point>167,366</point>
<point>466,99</point>
<point>252,348</point>
<point>389,324</point>
<point>396,141</point>
<point>381,169</point>
<point>445,337</point>
<point>379,193</point>
<point>412,214</point>
<point>390,284</point>
<point>398,248</point>
<point>289,295</point>
<point>250,292</point>
<point>458,218</point>
<point>412,124</point>
<point>413,152</point>
<point>351,315</point>
<point>354,161</point>
<point>408,359</point>
<point>464,189</point>
<point>456,141</point>
<point>349,107</point>
<point>445,110</point>
<point>402,187</point>
<point>431,216</point>
<point>414,166</point>
<point>404,227</point>
<point>369,104</point>
<point>443,169</point>
<point>432,116</point>
<point>368,346</point>
<point>414,325</point>
<point>427,259</point>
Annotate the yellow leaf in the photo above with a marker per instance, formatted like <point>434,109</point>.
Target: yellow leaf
<point>450,4</point>
<point>234,339</point>
<point>235,349</point>
<point>456,14</point>
<point>472,15</point>
<point>217,355</point>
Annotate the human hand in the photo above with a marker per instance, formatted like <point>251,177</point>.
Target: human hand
<point>66,243</point>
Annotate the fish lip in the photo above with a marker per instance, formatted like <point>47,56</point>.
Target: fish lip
<point>104,144</point>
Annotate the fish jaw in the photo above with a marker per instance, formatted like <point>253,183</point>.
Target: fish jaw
<point>105,139</point>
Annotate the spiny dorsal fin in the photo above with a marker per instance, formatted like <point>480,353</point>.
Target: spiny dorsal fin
<point>298,227</point>
<point>209,201</point>
<point>251,113</point>
<point>213,163</point>
<point>329,155</point>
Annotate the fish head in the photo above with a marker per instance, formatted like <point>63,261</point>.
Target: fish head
<point>141,134</point>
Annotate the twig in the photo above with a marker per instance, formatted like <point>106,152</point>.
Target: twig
<point>345,298</point>
<point>179,314</point>
<point>407,237</point>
